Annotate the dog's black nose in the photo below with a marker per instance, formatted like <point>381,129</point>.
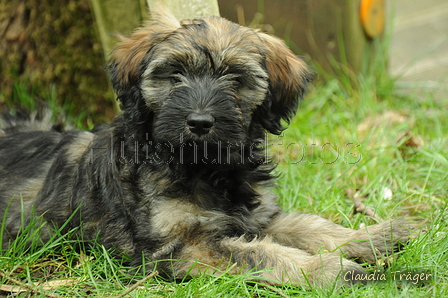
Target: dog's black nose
<point>200,123</point>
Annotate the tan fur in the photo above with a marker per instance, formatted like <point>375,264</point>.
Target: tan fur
<point>79,146</point>
<point>174,217</point>
<point>129,53</point>
<point>322,235</point>
<point>286,71</point>
<point>273,262</point>
<point>29,189</point>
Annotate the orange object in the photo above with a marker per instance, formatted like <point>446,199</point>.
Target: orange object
<point>372,14</point>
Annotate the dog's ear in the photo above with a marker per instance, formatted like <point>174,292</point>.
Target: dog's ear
<point>126,61</point>
<point>288,79</point>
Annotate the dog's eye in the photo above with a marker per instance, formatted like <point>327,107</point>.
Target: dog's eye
<point>175,77</point>
<point>238,80</point>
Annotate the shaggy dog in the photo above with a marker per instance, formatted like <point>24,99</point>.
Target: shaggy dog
<point>181,174</point>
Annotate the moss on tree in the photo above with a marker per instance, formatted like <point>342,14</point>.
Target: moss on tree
<point>44,44</point>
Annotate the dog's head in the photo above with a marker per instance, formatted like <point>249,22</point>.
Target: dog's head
<point>206,80</point>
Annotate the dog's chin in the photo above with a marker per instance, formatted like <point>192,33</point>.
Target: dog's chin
<point>213,139</point>
<point>205,150</point>
<point>184,138</point>
<point>208,157</point>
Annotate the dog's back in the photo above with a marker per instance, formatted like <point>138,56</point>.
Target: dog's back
<point>30,146</point>
<point>20,120</point>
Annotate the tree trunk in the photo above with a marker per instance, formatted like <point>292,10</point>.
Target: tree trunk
<point>117,17</point>
<point>44,45</point>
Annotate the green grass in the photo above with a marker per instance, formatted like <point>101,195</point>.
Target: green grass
<point>66,112</point>
<point>348,134</point>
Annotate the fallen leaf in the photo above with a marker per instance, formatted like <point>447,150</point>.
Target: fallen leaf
<point>408,139</point>
<point>49,285</point>
<point>386,119</point>
<point>387,193</point>
<point>13,289</point>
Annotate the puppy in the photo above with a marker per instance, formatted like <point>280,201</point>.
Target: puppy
<point>181,174</point>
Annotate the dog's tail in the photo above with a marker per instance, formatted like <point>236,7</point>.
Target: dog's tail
<point>20,120</point>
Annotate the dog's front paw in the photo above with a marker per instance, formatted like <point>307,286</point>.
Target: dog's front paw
<point>332,269</point>
<point>321,270</point>
<point>374,242</point>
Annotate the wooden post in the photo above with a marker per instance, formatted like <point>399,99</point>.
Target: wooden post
<point>335,33</point>
<point>117,17</point>
<point>125,15</point>
<point>189,9</point>
<point>329,31</point>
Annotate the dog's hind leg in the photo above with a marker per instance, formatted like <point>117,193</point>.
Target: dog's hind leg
<point>313,234</point>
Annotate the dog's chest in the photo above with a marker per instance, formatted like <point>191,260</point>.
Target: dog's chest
<point>173,217</point>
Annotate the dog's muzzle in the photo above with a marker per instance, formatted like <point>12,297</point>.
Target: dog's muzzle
<point>200,123</point>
